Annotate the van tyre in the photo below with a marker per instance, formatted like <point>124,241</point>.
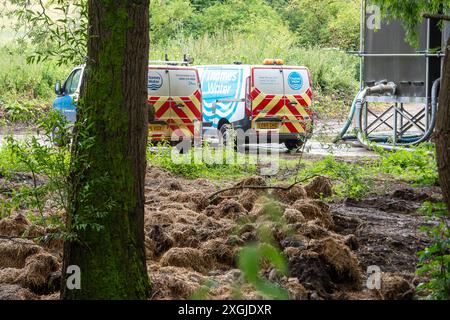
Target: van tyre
<point>228,135</point>
<point>293,145</point>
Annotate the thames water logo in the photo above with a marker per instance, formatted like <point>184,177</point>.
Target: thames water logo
<point>295,80</point>
<point>155,81</point>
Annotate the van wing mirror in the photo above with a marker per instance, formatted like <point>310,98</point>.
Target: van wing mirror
<point>58,89</point>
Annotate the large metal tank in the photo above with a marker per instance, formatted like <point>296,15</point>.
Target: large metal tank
<point>387,56</point>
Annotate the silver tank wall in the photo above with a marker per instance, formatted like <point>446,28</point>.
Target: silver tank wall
<point>408,72</point>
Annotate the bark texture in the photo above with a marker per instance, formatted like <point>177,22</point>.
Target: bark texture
<point>442,134</point>
<point>109,157</point>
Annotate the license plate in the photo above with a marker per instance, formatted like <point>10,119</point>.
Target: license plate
<point>157,128</point>
<point>268,125</point>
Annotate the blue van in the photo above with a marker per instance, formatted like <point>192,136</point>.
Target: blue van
<point>68,94</point>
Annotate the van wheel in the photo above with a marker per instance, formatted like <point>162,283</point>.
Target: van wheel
<point>228,135</point>
<point>293,145</point>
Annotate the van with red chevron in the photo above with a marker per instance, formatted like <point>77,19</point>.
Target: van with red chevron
<point>259,99</point>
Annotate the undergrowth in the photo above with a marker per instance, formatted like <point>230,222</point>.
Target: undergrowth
<point>203,162</point>
<point>434,260</point>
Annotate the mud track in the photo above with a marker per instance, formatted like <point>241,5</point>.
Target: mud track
<point>191,243</point>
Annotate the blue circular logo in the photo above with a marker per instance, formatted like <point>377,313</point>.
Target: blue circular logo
<point>295,80</point>
<point>155,81</point>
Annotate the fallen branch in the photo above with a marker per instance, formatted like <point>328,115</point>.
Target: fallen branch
<point>262,187</point>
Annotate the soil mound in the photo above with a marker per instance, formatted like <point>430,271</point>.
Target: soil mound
<point>291,195</point>
<point>313,210</point>
<point>320,187</point>
<point>188,258</point>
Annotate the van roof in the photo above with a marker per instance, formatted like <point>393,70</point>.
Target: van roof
<point>237,66</point>
<point>162,66</point>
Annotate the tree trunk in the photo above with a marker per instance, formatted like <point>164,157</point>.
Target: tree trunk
<point>108,161</point>
<point>442,134</point>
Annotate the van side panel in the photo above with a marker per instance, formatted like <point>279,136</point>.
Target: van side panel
<point>223,92</point>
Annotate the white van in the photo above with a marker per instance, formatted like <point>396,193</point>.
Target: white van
<point>258,99</point>
<point>175,101</point>
<point>174,97</point>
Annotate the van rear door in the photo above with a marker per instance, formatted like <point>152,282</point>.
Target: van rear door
<point>267,97</point>
<point>298,95</point>
<point>281,98</point>
<point>185,119</point>
<point>160,104</point>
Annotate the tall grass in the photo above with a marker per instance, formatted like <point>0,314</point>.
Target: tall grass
<point>20,79</point>
<point>334,73</point>
<point>26,90</point>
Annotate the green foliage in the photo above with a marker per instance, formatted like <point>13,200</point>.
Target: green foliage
<point>169,18</point>
<point>205,166</point>
<point>19,79</point>
<point>266,252</point>
<point>25,89</point>
<point>178,17</point>
<point>434,261</point>
<point>57,28</point>
<point>328,23</point>
<point>47,164</point>
<point>325,23</point>
<point>417,166</point>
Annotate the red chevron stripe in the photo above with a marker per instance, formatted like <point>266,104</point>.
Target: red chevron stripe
<point>153,99</point>
<point>290,127</point>
<point>192,107</point>
<point>309,93</point>
<point>163,109</point>
<point>198,95</point>
<point>294,111</point>
<point>255,93</point>
<point>277,107</point>
<point>184,118</point>
<point>263,104</point>
<point>302,101</point>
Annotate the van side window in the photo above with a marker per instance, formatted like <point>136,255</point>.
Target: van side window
<point>71,84</point>
<point>269,80</point>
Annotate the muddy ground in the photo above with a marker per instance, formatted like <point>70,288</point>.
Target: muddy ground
<point>192,241</point>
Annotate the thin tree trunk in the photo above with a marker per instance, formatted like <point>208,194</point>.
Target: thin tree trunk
<point>442,134</point>
<point>109,157</point>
